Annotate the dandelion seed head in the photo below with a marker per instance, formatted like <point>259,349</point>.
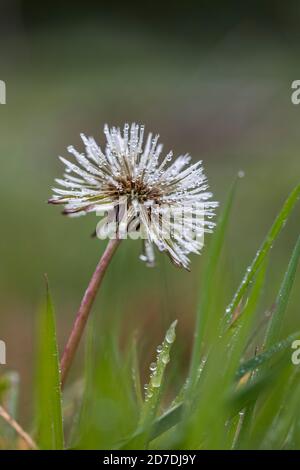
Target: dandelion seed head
<point>132,169</point>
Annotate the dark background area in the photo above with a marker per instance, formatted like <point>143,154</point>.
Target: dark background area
<point>188,20</point>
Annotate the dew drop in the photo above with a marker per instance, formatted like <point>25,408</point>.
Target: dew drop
<point>170,336</point>
<point>165,359</point>
<point>156,381</point>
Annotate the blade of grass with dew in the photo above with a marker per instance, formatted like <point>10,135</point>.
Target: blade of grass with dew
<point>281,434</point>
<point>263,251</point>
<point>267,385</point>
<point>253,371</point>
<point>263,358</point>
<point>268,406</point>
<point>236,337</point>
<point>142,435</point>
<point>210,411</point>
<point>49,410</point>
<point>273,331</point>
<point>207,289</point>
<point>156,379</point>
<point>251,393</point>
<point>239,397</point>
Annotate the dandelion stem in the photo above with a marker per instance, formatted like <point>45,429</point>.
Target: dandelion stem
<point>85,308</point>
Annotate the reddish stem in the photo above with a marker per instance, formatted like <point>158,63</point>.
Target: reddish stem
<point>85,308</point>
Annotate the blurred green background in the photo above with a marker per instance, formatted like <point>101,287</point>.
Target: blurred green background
<point>214,81</point>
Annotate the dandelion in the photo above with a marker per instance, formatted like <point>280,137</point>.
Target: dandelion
<point>165,201</point>
<point>133,175</point>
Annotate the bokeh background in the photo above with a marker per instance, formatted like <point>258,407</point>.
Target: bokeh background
<point>214,80</point>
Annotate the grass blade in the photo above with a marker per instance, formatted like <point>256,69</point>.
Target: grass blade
<point>156,378</point>
<point>166,421</point>
<point>283,297</point>
<point>270,404</point>
<point>209,410</point>
<point>257,361</point>
<point>147,424</point>
<point>49,412</point>
<point>264,250</point>
<point>213,255</point>
<point>246,394</point>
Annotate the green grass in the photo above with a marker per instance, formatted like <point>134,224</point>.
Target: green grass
<point>241,390</point>
<point>49,434</point>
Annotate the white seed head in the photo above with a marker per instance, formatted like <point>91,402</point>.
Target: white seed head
<point>158,193</point>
